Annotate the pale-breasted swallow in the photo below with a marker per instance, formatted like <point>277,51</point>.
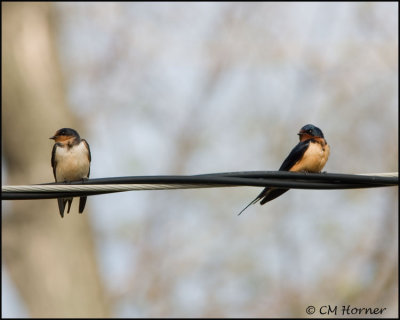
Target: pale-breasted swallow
<point>70,160</point>
<point>309,155</point>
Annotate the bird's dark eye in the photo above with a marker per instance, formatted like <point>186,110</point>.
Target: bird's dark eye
<point>309,131</point>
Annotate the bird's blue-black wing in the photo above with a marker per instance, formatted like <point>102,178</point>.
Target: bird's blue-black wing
<point>82,200</point>
<point>295,155</point>
<point>53,160</point>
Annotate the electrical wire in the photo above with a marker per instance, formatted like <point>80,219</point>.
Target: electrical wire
<point>282,179</point>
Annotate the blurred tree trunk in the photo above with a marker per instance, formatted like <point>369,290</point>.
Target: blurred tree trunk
<point>51,260</point>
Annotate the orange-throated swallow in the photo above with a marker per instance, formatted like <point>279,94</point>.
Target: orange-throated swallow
<point>309,155</point>
<point>70,160</point>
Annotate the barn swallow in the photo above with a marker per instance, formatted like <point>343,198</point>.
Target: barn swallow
<point>70,160</point>
<point>309,155</point>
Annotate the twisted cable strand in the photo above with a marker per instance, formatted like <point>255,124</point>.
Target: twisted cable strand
<point>290,180</point>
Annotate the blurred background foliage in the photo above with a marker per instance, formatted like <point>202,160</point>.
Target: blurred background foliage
<point>189,88</point>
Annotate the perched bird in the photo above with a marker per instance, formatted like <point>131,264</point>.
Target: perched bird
<point>309,155</point>
<point>70,160</point>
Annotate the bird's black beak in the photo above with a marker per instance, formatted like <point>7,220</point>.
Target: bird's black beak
<point>53,137</point>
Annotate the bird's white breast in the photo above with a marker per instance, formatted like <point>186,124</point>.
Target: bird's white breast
<point>314,158</point>
<point>72,163</point>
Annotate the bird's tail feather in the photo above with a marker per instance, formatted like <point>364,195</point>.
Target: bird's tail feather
<point>253,202</point>
<point>69,203</point>
<point>61,206</point>
<point>82,202</point>
<point>272,194</point>
<point>266,195</point>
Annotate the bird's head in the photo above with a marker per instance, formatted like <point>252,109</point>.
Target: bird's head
<point>65,134</point>
<point>310,131</point>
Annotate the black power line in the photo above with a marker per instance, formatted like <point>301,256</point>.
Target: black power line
<point>283,179</point>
